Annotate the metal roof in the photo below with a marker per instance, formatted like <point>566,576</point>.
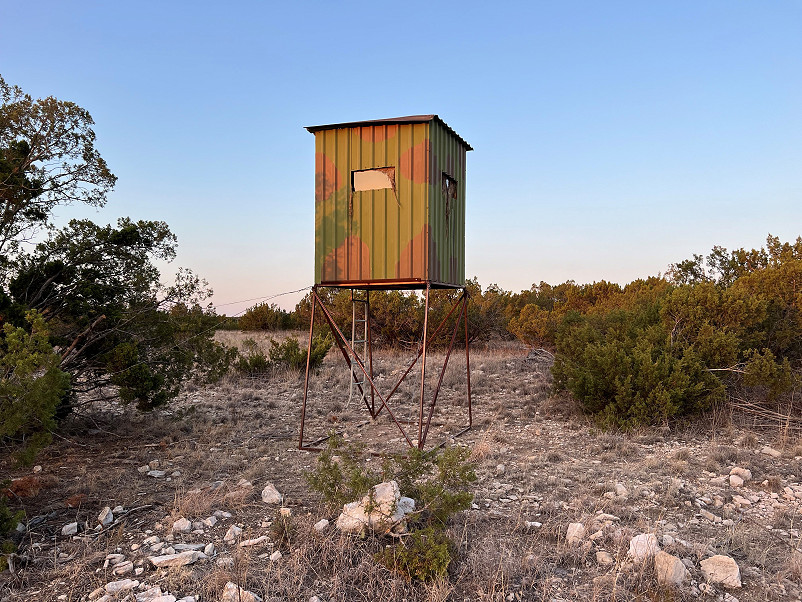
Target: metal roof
<point>389,121</point>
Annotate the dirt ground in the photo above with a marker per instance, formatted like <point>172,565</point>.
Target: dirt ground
<point>541,466</point>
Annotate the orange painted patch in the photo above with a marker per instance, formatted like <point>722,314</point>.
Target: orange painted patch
<point>327,178</point>
<point>349,261</point>
<point>414,163</point>
<point>378,133</point>
<point>412,263</point>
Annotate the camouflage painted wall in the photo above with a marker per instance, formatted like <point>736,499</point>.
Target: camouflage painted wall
<point>412,231</point>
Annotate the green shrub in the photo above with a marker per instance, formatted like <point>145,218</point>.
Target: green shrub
<point>287,355</point>
<point>266,316</point>
<point>423,555</point>
<point>31,386</point>
<point>340,475</point>
<point>624,369</point>
<point>438,481</point>
<point>253,361</point>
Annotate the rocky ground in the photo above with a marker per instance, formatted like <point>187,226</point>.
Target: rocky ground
<point>176,505</point>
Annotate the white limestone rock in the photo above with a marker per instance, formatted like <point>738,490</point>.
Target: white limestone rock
<point>744,473</point>
<point>69,529</point>
<point>249,543</point>
<point>575,534</point>
<point>770,451</point>
<point>179,559</point>
<point>123,568</point>
<point>321,525</point>
<point>182,525</point>
<point>736,481</point>
<point>231,535</point>
<point>386,515</point>
<point>106,517</point>
<point>669,569</point>
<point>721,570</point>
<point>271,495</point>
<point>122,585</point>
<point>643,547</point>
<point>234,593</point>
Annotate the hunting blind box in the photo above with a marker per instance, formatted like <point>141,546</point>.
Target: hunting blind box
<point>390,204</point>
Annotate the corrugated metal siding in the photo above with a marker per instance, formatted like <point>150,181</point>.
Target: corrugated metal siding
<point>375,234</point>
<point>447,245</point>
<point>382,236</point>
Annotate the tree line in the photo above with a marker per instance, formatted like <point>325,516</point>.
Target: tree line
<point>725,326</point>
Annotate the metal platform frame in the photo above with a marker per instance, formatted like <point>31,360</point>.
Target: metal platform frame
<point>363,364</point>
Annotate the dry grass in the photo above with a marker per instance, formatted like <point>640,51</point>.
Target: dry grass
<point>559,469</point>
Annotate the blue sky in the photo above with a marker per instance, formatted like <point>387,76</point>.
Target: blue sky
<point>611,138</point>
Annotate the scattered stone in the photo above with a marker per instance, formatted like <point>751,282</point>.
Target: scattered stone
<point>149,541</point>
<point>113,559</point>
<point>149,595</point>
<point>156,474</point>
<point>106,516</point>
<point>604,558</point>
<point>770,451</point>
<point>721,570</point>
<point>736,481</point>
<point>500,470</point>
<point>253,542</point>
<point>643,546</point>
<point>277,555</point>
<point>532,524</point>
<point>182,525</point>
<point>271,495</point>
<point>575,534</point>
<point>122,585</point>
<point>180,559</point>
<point>234,593</point>
<point>210,522</point>
<point>183,547</point>
<point>222,514</point>
<point>709,515</point>
<point>123,568</point>
<point>321,525</point>
<point>621,491</point>
<point>70,529</point>
<point>231,535</point>
<point>209,549</point>
<point>225,562</point>
<point>744,473</point>
<point>387,511</point>
<point>669,569</point>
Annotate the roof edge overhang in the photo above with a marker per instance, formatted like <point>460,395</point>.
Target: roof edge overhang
<point>390,121</point>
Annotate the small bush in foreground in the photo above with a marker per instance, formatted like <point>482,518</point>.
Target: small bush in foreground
<point>424,555</point>
<point>438,481</point>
